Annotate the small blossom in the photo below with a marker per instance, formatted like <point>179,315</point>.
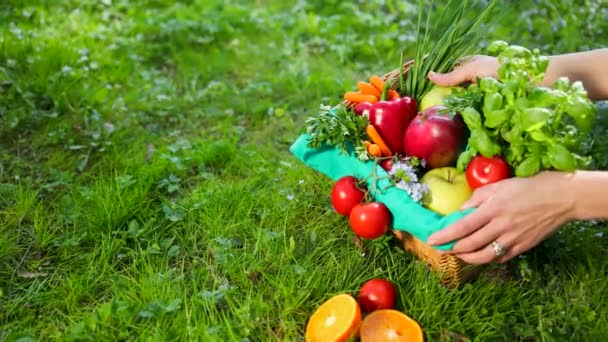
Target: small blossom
<point>405,176</point>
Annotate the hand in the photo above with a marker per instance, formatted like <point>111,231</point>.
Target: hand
<point>518,213</point>
<point>477,66</point>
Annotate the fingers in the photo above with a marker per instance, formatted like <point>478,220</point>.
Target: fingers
<point>482,237</point>
<point>487,254</point>
<point>462,228</point>
<point>479,196</point>
<point>458,76</point>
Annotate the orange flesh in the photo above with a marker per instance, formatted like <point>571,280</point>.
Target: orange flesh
<point>390,326</point>
<point>335,320</point>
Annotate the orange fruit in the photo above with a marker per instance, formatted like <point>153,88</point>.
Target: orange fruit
<point>336,320</point>
<point>391,326</point>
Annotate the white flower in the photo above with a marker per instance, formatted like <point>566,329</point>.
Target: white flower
<point>406,178</point>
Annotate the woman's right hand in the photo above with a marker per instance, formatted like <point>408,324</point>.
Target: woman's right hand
<point>477,66</point>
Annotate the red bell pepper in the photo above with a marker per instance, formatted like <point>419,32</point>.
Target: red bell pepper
<point>390,118</point>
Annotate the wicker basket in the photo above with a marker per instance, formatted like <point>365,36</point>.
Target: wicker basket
<point>451,269</point>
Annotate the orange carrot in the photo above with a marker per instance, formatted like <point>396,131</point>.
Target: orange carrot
<point>367,143</point>
<point>374,150</point>
<point>357,97</point>
<point>367,88</point>
<point>377,139</point>
<point>377,82</point>
<point>393,94</point>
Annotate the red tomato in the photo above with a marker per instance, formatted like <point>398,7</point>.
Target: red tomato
<point>370,220</point>
<point>345,195</point>
<point>387,164</point>
<point>376,294</point>
<point>482,171</point>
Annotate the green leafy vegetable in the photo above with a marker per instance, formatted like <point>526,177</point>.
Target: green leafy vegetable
<point>338,127</point>
<point>532,126</point>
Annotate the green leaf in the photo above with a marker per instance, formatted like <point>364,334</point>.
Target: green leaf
<point>529,167</point>
<point>516,134</point>
<point>508,91</point>
<point>496,118</point>
<point>490,85</point>
<point>515,153</point>
<point>562,83</point>
<point>465,158</point>
<point>516,51</point>
<point>472,118</point>
<point>497,47</point>
<point>481,141</point>
<point>538,135</point>
<point>545,97</point>
<point>582,111</point>
<point>560,158</point>
<point>534,118</point>
<point>492,102</point>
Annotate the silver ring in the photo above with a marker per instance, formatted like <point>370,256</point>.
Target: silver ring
<point>499,250</point>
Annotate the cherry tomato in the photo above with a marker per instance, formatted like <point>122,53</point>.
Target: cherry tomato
<point>345,195</point>
<point>370,220</point>
<point>376,294</point>
<point>387,164</point>
<point>482,171</point>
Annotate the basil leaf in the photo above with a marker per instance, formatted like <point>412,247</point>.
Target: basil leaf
<point>534,118</point>
<point>490,85</point>
<point>535,148</point>
<point>497,47</point>
<point>515,154</point>
<point>517,51</point>
<point>492,102</point>
<point>505,133</point>
<point>562,83</point>
<point>538,135</point>
<point>545,161</point>
<point>544,97</point>
<point>508,91</point>
<point>516,134</point>
<point>582,111</point>
<point>472,118</point>
<point>465,158</point>
<point>496,118</point>
<point>560,158</point>
<point>542,64</point>
<point>482,142</point>
<point>529,167</point>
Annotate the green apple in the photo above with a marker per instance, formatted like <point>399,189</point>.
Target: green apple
<point>448,189</point>
<point>435,97</point>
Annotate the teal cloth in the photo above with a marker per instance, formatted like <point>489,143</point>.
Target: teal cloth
<point>408,215</point>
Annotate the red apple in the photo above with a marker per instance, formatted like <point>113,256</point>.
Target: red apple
<point>436,137</point>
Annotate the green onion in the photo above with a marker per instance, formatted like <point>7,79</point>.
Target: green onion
<point>451,37</point>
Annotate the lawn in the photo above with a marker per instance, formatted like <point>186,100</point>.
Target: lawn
<point>147,191</point>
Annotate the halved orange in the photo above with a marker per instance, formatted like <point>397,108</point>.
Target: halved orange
<point>391,326</point>
<point>336,320</point>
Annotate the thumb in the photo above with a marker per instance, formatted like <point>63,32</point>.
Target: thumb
<point>479,196</point>
<point>453,78</point>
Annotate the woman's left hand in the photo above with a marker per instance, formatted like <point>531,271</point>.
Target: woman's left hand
<point>516,213</point>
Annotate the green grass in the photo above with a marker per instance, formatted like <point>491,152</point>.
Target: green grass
<point>147,191</point>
